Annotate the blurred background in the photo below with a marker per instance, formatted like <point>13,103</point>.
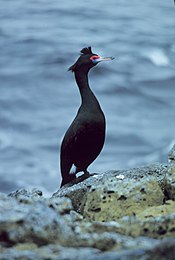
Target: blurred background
<point>40,39</point>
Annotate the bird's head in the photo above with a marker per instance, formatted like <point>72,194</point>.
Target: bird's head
<point>87,60</point>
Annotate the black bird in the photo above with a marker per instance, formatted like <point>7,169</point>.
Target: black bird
<point>85,137</point>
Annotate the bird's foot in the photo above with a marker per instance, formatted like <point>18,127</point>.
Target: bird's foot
<point>84,176</point>
<point>88,174</point>
<point>79,179</point>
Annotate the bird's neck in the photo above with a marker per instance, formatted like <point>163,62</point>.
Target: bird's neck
<point>87,96</point>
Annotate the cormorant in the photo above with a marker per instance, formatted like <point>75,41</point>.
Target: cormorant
<point>85,137</point>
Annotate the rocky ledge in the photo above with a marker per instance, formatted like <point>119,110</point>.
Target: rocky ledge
<point>115,215</point>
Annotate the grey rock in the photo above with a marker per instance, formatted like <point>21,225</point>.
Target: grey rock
<point>107,197</point>
<point>170,176</point>
<point>134,200</point>
<point>37,221</point>
<point>51,251</point>
<point>114,215</point>
<point>165,250</point>
<point>171,155</point>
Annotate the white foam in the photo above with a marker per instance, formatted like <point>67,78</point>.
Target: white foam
<point>158,57</point>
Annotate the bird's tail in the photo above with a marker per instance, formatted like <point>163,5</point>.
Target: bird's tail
<point>68,179</point>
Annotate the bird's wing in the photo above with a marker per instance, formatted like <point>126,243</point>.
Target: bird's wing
<point>69,144</point>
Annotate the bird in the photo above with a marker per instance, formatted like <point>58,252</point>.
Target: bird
<point>85,137</point>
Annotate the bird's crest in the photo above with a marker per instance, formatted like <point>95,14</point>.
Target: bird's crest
<point>86,50</point>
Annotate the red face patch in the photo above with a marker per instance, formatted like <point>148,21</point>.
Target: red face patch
<point>95,57</point>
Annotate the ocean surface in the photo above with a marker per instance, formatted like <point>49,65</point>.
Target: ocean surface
<point>40,39</point>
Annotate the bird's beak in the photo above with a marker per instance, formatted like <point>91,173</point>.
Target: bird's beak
<point>103,59</point>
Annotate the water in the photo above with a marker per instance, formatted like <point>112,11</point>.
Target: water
<point>39,40</point>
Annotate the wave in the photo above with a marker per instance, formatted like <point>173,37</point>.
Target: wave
<point>158,57</point>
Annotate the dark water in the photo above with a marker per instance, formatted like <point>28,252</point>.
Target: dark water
<point>39,40</point>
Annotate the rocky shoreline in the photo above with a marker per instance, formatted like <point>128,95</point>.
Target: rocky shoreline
<point>114,215</point>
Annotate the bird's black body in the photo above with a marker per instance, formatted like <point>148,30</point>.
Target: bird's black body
<point>85,137</point>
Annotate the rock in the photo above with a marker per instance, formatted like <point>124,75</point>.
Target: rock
<point>164,250</point>
<point>52,251</point>
<point>115,215</point>
<point>170,176</point>
<point>106,197</point>
<point>19,194</point>
<point>111,201</point>
<point>171,155</point>
<point>34,222</point>
<point>133,199</point>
